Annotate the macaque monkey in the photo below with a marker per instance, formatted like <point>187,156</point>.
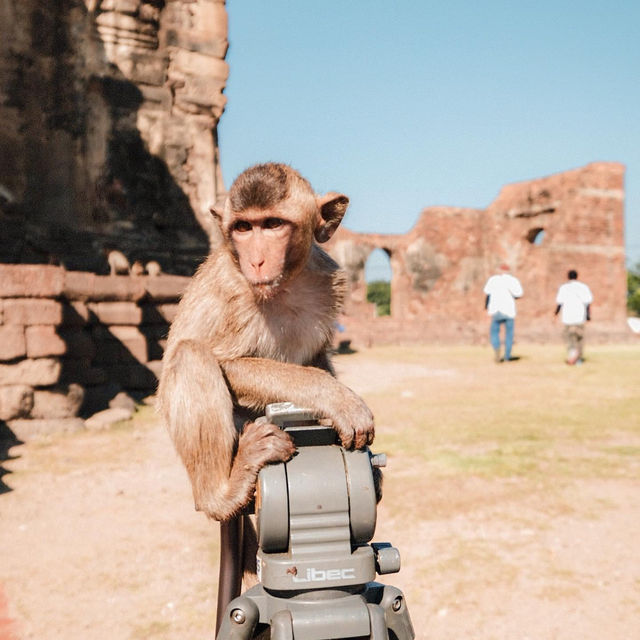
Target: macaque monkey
<point>137,268</point>
<point>153,268</point>
<point>118,263</point>
<point>255,326</point>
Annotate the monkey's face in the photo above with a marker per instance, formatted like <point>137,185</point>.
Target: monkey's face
<point>267,248</point>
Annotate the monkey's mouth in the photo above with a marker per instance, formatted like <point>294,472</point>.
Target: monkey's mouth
<point>267,289</point>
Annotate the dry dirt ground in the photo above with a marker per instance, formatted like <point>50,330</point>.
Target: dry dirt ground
<point>99,541</point>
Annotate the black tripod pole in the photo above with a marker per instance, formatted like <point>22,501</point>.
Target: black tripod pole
<point>231,563</point>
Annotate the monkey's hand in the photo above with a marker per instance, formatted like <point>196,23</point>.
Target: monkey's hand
<point>260,443</point>
<point>352,419</point>
<point>257,381</point>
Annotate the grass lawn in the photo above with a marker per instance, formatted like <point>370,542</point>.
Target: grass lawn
<point>512,489</point>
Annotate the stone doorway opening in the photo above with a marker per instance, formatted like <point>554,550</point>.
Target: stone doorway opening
<point>378,276</point>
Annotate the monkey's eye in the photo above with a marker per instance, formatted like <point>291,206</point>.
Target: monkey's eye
<point>273,223</point>
<point>241,226</point>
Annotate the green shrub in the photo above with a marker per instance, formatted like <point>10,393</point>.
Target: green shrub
<point>633,289</point>
<point>379,292</point>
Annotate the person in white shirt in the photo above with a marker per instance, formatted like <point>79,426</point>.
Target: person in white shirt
<point>574,298</point>
<point>501,292</point>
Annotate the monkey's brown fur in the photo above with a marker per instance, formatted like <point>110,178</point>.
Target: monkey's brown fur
<point>254,327</point>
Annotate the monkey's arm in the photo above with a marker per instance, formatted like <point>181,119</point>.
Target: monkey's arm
<point>197,408</point>
<point>255,382</point>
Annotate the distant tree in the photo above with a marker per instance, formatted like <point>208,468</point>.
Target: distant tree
<point>633,289</point>
<point>379,292</point>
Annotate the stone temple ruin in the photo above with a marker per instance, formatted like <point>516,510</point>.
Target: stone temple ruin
<point>541,228</point>
<point>109,112</point>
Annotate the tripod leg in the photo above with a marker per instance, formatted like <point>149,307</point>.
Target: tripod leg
<point>239,620</point>
<point>377,622</point>
<point>231,563</point>
<point>396,613</point>
<point>282,626</point>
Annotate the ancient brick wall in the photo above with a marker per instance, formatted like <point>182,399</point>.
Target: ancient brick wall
<point>70,341</point>
<point>109,111</point>
<point>541,228</point>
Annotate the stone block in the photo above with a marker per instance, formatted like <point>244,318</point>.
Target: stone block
<point>12,342</point>
<point>27,430</point>
<point>155,366</point>
<point>41,372</point>
<point>118,313</point>
<point>30,280</point>
<point>28,311</point>
<point>156,349</point>
<point>112,352</point>
<point>75,313</point>
<point>165,288</point>
<point>78,342</point>
<point>83,286</point>
<point>198,65</point>
<point>82,371</point>
<point>130,343</point>
<point>159,313</point>
<point>43,340</point>
<point>16,401</point>
<point>59,402</point>
<point>132,376</point>
<point>108,417</point>
<point>155,331</point>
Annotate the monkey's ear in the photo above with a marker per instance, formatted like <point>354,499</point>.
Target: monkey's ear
<point>216,235</point>
<point>216,213</point>
<point>332,209</point>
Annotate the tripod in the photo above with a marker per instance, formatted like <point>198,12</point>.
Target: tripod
<point>316,515</point>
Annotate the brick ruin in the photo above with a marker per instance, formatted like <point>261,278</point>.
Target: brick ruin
<point>541,228</point>
<point>109,111</point>
<point>70,341</point>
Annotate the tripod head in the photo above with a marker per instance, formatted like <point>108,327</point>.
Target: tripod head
<point>316,513</point>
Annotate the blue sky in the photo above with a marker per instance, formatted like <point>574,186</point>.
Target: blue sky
<point>404,105</point>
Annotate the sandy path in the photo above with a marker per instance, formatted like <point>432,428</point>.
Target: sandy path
<point>100,541</point>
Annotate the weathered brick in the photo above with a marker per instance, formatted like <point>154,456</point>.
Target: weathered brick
<point>132,376</point>
<point>27,430</point>
<point>30,311</point>
<point>43,340</point>
<point>88,286</point>
<point>16,401</point>
<point>129,338</point>
<point>118,313</point>
<point>159,313</point>
<point>58,402</point>
<point>12,342</point>
<point>30,280</point>
<point>75,313</point>
<point>111,352</point>
<point>166,288</point>
<point>108,417</point>
<point>156,349</point>
<point>79,343</point>
<point>82,371</point>
<point>41,372</point>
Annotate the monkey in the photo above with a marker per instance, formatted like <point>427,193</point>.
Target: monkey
<point>153,268</point>
<point>118,262</point>
<point>137,268</point>
<point>255,326</point>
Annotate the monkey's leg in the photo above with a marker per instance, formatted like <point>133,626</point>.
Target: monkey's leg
<point>198,409</point>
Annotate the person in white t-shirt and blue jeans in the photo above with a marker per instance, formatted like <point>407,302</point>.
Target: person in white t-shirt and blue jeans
<point>501,292</point>
<point>574,298</point>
